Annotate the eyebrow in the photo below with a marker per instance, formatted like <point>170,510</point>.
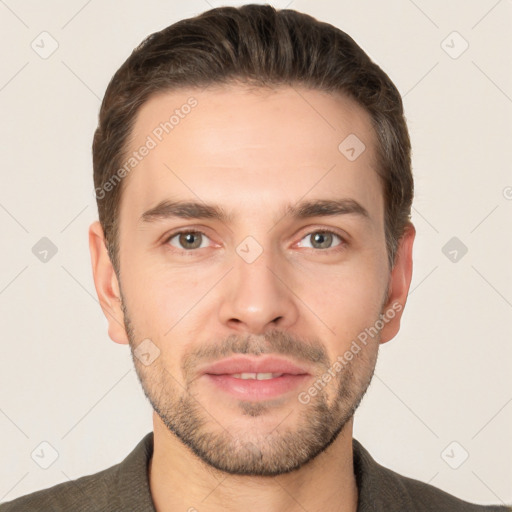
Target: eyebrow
<point>305,209</point>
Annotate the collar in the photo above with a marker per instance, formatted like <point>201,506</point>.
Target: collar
<point>378,487</point>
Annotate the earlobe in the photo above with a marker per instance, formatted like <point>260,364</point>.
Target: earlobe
<point>398,287</point>
<point>106,284</point>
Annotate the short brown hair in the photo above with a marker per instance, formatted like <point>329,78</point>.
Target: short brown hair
<point>259,46</point>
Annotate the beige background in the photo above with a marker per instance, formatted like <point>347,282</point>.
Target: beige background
<point>446,377</point>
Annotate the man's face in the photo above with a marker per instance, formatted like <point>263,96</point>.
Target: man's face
<point>258,284</point>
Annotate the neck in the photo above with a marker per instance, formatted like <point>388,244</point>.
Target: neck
<point>179,480</point>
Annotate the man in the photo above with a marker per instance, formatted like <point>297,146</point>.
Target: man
<point>254,248</point>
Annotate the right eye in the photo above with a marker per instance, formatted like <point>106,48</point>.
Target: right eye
<point>188,240</point>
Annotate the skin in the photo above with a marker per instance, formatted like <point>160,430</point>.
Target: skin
<point>252,152</point>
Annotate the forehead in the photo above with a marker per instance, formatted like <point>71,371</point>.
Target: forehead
<point>251,151</point>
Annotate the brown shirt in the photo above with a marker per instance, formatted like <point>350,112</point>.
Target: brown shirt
<point>125,487</point>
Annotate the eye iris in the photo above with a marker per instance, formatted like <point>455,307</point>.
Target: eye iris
<point>185,240</point>
<point>324,239</point>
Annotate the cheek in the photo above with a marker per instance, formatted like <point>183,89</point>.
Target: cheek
<point>348,300</point>
<point>168,305</point>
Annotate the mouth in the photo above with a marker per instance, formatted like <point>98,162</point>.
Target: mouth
<point>255,379</point>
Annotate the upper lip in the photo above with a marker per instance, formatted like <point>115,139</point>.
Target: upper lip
<point>244,364</point>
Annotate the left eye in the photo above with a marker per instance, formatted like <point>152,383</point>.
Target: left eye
<point>322,239</point>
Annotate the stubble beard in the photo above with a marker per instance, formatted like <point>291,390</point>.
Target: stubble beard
<point>281,448</point>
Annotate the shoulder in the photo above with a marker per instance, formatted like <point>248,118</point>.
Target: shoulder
<point>381,489</point>
<point>124,486</point>
<point>426,497</point>
<point>88,493</point>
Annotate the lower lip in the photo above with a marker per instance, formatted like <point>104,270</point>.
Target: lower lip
<point>253,389</point>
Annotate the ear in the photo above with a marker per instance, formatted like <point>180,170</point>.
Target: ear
<point>398,286</point>
<point>107,286</point>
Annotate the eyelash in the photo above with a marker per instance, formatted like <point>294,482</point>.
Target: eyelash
<point>341,246</point>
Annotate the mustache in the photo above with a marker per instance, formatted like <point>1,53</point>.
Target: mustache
<point>310,350</point>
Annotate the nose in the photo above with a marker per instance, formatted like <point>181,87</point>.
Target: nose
<point>257,296</point>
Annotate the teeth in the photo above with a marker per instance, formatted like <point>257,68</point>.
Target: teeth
<point>257,376</point>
